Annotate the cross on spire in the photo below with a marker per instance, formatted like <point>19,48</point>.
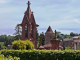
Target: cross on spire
<point>28,3</point>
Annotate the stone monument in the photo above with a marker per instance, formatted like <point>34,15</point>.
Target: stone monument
<point>29,26</point>
<point>55,43</point>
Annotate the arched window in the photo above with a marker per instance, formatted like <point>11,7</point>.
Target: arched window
<point>31,30</point>
<point>26,33</point>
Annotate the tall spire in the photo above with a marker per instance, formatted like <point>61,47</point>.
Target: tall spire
<point>28,12</point>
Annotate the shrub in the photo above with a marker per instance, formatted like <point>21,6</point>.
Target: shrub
<point>2,57</point>
<point>29,44</point>
<point>68,48</point>
<point>22,45</point>
<point>18,44</point>
<point>43,54</point>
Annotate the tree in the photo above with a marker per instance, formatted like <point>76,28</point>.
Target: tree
<point>7,42</point>
<point>43,39</point>
<point>18,32</point>
<point>0,46</point>
<point>58,32</point>
<point>67,36</point>
<point>72,34</point>
<point>37,34</point>
<point>58,36</point>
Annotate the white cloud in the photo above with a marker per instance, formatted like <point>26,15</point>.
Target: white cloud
<point>76,20</point>
<point>4,1</point>
<point>7,23</point>
<point>61,22</point>
<point>66,17</point>
<point>75,10</point>
<point>4,10</point>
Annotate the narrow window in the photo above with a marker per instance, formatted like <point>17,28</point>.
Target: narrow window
<point>31,30</point>
<point>26,34</point>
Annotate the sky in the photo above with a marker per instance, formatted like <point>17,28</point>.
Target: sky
<point>61,15</point>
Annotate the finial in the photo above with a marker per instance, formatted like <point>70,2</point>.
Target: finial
<point>55,33</point>
<point>28,3</point>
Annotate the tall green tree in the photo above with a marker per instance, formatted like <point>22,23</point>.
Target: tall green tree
<point>3,38</point>
<point>72,34</point>
<point>37,34</point>
<point>18,32</point>
<point>7,42</point>
<point>43,39</point>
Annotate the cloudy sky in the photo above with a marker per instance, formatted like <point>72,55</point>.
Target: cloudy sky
<point>62,15</point>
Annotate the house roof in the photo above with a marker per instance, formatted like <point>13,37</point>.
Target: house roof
<point>47,45</point>
<point>76,37</point>
<point>67,40</point>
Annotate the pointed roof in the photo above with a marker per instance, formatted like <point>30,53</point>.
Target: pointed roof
<point>28,16</point>
<point>49,30</point>
<point>28,11</point>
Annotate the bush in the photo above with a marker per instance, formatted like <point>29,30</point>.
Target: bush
<point>29,45</point>
<point>68,48</point>
<point>43,54</point>
<point>2,57</point>
<point>22,45</point>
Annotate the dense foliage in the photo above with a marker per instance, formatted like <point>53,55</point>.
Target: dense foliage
<point>3,38</point>
<point>43,54</point>
<point>2,46</point>
<point>2,57</point>
<point>22,45</point>
<point>68,48</point>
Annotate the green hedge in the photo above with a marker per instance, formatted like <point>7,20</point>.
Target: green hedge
<point>8,58</point>
<point>43,54</point>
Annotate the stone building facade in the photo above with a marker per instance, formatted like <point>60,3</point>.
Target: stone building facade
<point>66,43</point>
<point>76,42</point>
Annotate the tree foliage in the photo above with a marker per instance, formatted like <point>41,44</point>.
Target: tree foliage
<point>72,34</point>
<point>18,32</point>
<point>43,39</point>
<point>22,45</point>
<point>3,38</point>
<point>7,42</point>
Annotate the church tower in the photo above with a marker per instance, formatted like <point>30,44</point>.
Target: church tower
<point>29,26</point>
<point>48,35</point>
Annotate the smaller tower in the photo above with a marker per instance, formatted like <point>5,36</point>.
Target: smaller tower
<point>49,35</point>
